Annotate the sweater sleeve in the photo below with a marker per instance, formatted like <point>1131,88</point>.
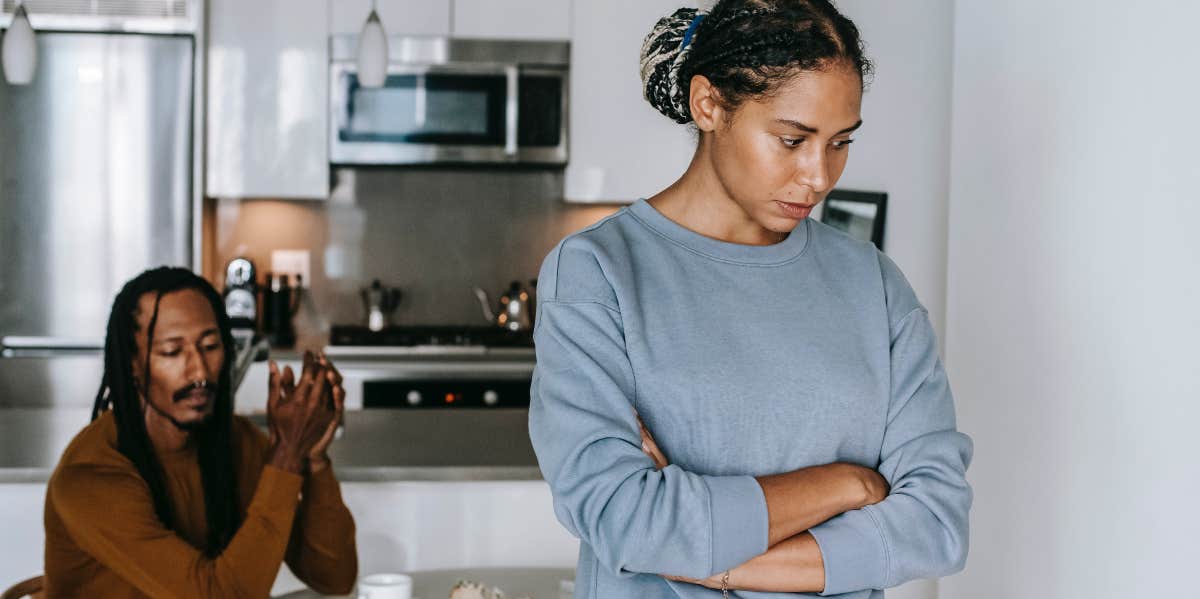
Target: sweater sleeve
<point>322,551</point>
<point>920,530</point>
<point>581,422</point>
<point>110,515</point>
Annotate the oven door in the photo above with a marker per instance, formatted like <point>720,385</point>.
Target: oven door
<point>424,114</point>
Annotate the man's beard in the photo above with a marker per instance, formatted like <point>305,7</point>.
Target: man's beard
<point>182,394</point>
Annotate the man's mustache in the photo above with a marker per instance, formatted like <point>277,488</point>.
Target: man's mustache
<point>208,387</point>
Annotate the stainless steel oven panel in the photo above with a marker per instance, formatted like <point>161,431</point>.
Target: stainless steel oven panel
<point>357,371</point>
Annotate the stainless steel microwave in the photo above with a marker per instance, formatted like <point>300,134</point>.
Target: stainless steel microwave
<point>451,101</point>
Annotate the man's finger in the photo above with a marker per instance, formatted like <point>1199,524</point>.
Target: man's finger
<point>307,380</point>
<point>339,400</point>
<point>287,383</point>
<point>273,390</point>
<point>318,389</point>
<point>306,365</point>
<point>337,374</point>
<point>272,381</point>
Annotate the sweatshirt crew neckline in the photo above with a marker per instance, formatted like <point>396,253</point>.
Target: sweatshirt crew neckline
<point>762,255</point>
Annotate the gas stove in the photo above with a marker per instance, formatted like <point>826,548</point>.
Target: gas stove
<point>431,336</point>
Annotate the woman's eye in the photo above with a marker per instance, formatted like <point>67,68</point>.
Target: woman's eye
<point>843,144</point>
<point>791,142</point>
<point>213,347</point>
<point>169,353</point>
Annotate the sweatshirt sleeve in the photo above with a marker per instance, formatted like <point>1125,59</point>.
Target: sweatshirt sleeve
<point>581,422</point>
<point>920,530</point>
<point>109,513</point>
<point>322,551</point>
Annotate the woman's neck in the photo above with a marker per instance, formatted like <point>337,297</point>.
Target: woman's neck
<point>700,202</point>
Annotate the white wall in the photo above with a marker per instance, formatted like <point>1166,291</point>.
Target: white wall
<point>903,147</point>
<point>1073,296</point>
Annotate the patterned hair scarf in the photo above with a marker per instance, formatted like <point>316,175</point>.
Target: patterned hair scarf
<point>663,52</point>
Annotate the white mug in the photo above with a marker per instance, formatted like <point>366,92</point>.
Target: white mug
<point>385,586</point>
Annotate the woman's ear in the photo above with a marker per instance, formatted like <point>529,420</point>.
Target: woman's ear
<point>705,104</point>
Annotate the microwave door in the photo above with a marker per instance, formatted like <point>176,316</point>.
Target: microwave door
<point>439,113</point>
<point>542,109</point>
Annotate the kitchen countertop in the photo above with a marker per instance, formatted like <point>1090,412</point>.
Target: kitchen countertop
<point>450,353</point>
<point>375,445</point>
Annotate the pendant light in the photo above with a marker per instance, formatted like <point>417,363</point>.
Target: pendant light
<point>372,52</point>
<point>19,49</point>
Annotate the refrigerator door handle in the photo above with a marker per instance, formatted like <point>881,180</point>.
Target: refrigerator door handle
<point>36,347</point>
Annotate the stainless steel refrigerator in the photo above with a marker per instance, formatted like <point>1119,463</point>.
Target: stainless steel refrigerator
<point>96,185</point>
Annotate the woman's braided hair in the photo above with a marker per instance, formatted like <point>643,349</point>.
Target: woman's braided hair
<point>746,49</point>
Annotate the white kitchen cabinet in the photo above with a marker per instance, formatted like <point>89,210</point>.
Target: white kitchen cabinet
<point>267,108</point>
<point>24,533</point>
<point>399,17</point>
<point>621,148</point>
<point>513,19</point>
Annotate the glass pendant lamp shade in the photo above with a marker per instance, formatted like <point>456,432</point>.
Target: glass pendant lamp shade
<point>372,53</point>
<point>18,52</point>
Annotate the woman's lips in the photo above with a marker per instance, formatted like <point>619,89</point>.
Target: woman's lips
<point>796,211</point>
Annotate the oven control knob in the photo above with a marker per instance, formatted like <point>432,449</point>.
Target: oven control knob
<point>413,397</point>
<point>490,397</point>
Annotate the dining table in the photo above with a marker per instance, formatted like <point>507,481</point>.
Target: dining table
<point>534,583</point>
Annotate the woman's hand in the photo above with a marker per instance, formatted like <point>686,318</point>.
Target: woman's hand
<point>318,458</point>
<point>649,447</point>
<point>298,413</point>
<point>712,582</point>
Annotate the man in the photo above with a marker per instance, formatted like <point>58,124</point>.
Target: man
<point>167,493</point>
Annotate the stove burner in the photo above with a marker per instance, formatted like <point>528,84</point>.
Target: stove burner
<point>409,336</point>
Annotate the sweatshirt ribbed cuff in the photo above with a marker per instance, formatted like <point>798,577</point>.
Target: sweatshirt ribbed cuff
<point>739,520</point>
<point>853,549</point>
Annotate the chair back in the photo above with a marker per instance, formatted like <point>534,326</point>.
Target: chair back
<point>26,588</point>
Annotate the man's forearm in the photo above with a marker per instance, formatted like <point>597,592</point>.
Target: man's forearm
<point>800,500</point>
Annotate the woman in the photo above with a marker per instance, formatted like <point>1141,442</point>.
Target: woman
<point>788,370</point>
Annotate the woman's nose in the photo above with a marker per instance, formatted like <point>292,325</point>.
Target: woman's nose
<point>813,171</point>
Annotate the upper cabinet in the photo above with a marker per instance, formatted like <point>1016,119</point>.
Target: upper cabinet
<point>621,148</point>
<point>399,17</point>
<point>267,89</point>
<point>514,19</point>
<point>266,109</point>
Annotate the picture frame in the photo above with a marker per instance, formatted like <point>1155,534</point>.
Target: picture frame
<point>860,214</point>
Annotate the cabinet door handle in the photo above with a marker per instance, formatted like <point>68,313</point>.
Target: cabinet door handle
<point>510,110</point>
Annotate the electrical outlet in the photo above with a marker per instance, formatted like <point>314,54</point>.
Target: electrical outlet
<point>292,262</point>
